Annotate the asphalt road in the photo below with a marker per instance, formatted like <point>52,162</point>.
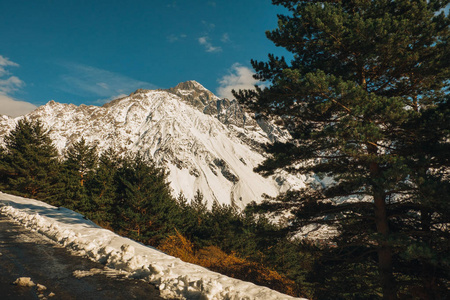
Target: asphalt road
<point>24,253</point>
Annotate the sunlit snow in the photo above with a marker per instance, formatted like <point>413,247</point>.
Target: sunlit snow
<point>175,278</point>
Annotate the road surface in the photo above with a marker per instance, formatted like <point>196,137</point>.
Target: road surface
<point>24,253</point>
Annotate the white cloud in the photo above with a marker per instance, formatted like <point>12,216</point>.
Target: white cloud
<point>13,107</point>
<point>239,77</point>
<point>83,80</point>
<point>5,62</point>
<point>103,85</point>
<point>225,38</point>
<point>204,41</point>
<point>174,38</point>
<point>209,26</point>
<point>8,85</point>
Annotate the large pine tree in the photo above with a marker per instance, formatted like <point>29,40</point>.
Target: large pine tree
<point>29,162</point>
<point>365,80</point>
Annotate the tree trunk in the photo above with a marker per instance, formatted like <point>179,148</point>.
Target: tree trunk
<point>384,250</point>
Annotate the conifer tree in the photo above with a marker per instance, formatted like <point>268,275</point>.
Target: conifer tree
<point>196,218</point>
<point>29,162</point>
<point>362,72</point>
<point>103,187</point>
<point>145,206</point>
<point>3,169</point>
<point>80,161</point>
<point>424,212</point>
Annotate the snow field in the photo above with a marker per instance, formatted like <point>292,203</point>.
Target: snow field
<point>175,278</point>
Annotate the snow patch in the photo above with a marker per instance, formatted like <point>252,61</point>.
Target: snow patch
<point>173,277</point>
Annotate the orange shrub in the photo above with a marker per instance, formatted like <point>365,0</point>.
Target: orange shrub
<point>231,265</point>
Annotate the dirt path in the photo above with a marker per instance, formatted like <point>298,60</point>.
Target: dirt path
<point>27,254</point>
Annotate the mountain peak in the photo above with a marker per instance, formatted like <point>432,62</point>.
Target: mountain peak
<point>139,91</point>
<point>190,92</point>
<point>190,85</point>
<point>194,94</point>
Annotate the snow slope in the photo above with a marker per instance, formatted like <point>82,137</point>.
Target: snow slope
<point>208,144</point>
<point>175,279</point>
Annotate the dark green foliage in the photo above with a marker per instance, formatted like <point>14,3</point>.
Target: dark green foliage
<point>103,188</point>
<point>365,100</point>
<point>29,161</point>
<point>145,207</point>
<point>193,222</point>
<point>424,214</point>
<point>81,159</point>
<point>3,169</point>
<point>78,170</point>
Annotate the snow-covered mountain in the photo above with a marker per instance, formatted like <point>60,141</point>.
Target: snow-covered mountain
<point>207,144</point>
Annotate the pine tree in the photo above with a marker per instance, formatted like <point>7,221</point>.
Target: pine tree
<point>145,206</point>
<point>29,162</point>
<point>3,169</point>
<point>82,159</point>
<point>424,213</point>
<point>78,169</point>
<point>103,186</point>
<point>362,72</point>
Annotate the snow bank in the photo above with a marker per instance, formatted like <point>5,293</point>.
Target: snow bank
<point>175,278</point>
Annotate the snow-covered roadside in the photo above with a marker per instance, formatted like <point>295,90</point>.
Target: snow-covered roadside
<point>175,278</point>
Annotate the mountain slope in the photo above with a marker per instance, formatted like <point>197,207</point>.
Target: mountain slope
<point>207,144</point>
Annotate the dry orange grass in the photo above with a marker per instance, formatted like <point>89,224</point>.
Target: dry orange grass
<point>216,260</point>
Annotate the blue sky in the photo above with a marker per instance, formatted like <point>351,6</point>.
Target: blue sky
<point>89,52</point>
